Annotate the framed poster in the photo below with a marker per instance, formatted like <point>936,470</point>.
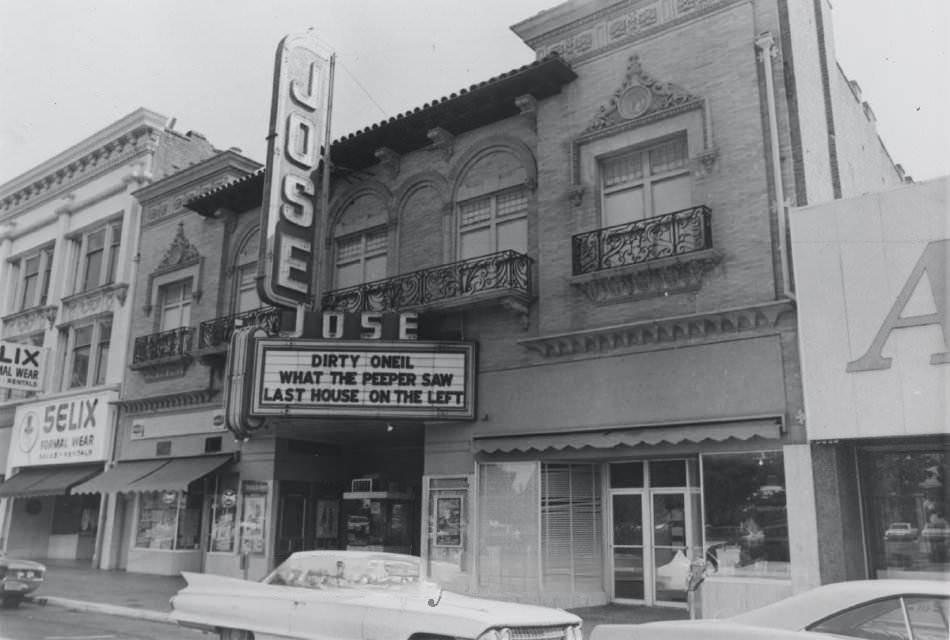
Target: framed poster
<point>448,521</point>
<point>254,516</point>
<point>328,518</point>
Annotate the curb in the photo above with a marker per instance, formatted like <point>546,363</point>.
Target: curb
<point>110,609</point>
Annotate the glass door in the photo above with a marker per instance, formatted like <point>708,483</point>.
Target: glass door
<point>656,528</point>
<point>627,546</point>
<point>670,546</point>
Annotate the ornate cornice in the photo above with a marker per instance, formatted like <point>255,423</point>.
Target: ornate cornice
<point>98,301</point>
<point>69,175</point>
<point>169,402</point>
<point>649,335</point>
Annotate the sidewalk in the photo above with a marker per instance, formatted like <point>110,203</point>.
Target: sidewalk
<point>145,596</point>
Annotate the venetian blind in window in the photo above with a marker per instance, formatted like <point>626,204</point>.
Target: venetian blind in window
<point>571,531</point>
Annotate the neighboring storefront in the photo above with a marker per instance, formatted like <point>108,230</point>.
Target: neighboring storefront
<point>599,479</point>
<point>874,312</point>
<point>172,491</point>
<point>55,445</point>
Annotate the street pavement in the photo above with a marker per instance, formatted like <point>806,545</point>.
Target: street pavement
<point>144,597</point>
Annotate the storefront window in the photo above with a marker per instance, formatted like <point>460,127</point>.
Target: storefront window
<point>223,513</point>
<point>571,528</point>
<point>908,507</point>
<point>508,499</point>
<point>746,520</point>
<point>169,520</point>
<point>76,515</point>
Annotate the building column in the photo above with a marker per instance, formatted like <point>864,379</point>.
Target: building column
<point>802,518</point>
<point>105,554</point>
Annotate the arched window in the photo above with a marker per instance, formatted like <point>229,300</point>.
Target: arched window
<point>492,206</point>
<point>361,243</point>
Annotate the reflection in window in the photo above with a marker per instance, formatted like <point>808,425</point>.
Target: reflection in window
<point>169,520</point>
<point>508,496</point>
<point>908,509</point>
<point>746,520</point>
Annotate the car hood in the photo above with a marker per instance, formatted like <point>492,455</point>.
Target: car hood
<point>698,630</point>
<point>495,613</point>
<point>16,563</point>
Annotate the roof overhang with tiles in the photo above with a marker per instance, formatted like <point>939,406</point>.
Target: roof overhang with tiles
<point>480,105</point>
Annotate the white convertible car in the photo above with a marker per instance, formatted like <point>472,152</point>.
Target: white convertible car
<point>868,609</point>
<point>356,595</point>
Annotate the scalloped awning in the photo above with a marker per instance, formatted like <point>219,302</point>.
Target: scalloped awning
<point>55,481</point>
<point>769,428</point>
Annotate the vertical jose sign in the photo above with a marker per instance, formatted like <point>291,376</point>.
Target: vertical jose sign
<point>297,121</point>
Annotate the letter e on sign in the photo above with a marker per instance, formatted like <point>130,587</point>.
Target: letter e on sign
<point>297,123</point>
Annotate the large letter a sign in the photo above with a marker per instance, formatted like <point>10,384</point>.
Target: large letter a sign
<point>934,262</point>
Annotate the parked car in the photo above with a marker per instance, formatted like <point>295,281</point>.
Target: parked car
<point>18,579</point>
<point>901,531</point>
<point>870,609</point>
<point>356,595</point>
<point>937,530</point>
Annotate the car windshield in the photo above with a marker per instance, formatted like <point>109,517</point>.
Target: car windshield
<point>348,571</point>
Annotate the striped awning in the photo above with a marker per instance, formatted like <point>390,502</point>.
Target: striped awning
<point>769,428</point>
<point>153,475</point>
<point>47,481</point>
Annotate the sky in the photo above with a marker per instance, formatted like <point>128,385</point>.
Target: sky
<point>69,68</point>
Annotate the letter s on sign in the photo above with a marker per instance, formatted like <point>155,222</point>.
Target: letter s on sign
<point>298,191</point>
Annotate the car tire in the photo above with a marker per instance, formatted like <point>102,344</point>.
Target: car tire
<point>235,634</point>
<point>12,602</point>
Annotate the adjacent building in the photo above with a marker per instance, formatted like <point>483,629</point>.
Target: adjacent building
<point>874,317</point>
<point>69,233</point>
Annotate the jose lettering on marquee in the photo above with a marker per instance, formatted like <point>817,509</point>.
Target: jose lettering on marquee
<point>385,380</point>
<point>933,263</point>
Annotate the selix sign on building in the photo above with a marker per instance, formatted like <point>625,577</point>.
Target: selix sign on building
<point>21,366</point>
<point>298,117</point>
<point>61,431</point>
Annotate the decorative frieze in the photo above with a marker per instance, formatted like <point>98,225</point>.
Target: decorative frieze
<point>661,333</point>
<point>618,26</point>
<point>158,211</point>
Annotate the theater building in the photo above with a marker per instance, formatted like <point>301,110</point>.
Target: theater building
<point>607,225</point>
<point>69,230</point>
<point>875,330</point>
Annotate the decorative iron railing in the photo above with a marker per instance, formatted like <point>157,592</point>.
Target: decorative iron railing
<point>217,333</point>
<point>167,344</point>
<point>671,234</point>
<point>497,272</point>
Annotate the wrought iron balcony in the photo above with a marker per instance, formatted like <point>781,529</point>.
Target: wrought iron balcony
<point>163,346</point>
<point>215,335</point>
<point>504,277</point>
<point>665,236</point>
